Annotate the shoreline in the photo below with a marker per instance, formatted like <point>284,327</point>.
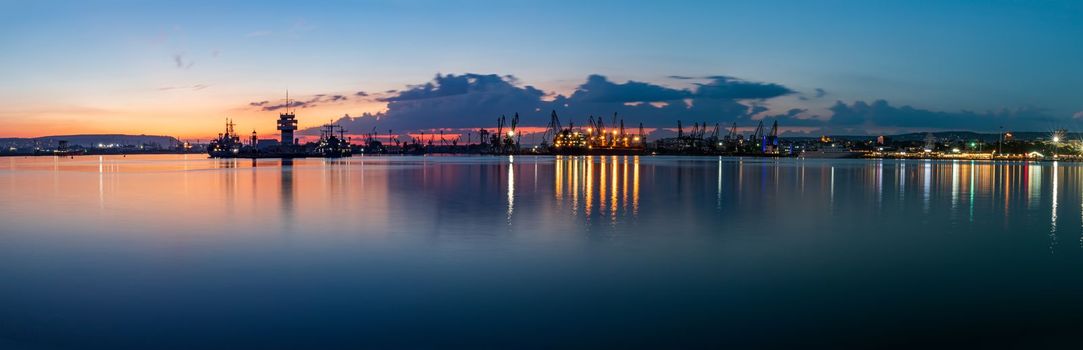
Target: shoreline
<point>1069,159</point>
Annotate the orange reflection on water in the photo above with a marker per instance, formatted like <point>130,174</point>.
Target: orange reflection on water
<point>587,194</point>
<point>613,195</point>
<point>609,179</point>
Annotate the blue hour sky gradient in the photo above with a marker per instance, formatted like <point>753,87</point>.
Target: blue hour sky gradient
<point>179,68</point>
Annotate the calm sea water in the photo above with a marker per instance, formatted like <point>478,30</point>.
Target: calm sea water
<point>509,252</point>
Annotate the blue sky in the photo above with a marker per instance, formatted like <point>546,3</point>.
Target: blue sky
<point>180,67</point>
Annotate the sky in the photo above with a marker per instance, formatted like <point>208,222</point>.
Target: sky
<point>825,67</point>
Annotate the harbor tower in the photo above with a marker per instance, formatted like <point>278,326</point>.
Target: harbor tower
<point>287,123</point>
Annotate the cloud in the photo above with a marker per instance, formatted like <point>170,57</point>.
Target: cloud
<point>599,89</point>
<point>794,112</point>
<point>725,87</point>
<point>470,101</point>
<point>195,87</point>
<point>757,108</point>
<point>817,93</point>
<point>361,94</point>
<point>313,101</point>
<point>1078,115</point>
<point>178,60</point>
<point>454,85</point>
<point>292,104</point>
<point>863,117</point>
<point>476,100</point>
<point>722,86</point>
<point>467,100</point>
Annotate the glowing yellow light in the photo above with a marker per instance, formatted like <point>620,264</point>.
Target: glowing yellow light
<point>590,130</point>
<point>635,138</point>
<point>511,133</point>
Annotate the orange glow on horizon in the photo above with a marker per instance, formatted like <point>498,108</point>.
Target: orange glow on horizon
<point>200,117</point>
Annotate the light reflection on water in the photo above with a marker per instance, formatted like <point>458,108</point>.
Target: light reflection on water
<point>490,251</point>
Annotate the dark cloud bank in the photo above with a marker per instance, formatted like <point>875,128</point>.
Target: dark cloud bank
<point>477,100</point>
<point>860,115</point>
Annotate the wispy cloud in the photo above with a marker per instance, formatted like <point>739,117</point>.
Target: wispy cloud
<point>180,62</point>
<point>816,93</point>
<point>195,87</point>
<point>310,102</point>
<point>293,104</point>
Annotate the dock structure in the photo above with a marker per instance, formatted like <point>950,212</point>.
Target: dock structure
<point>598,136</point>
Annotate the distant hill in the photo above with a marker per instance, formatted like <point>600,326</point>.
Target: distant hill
<point>90,141</point>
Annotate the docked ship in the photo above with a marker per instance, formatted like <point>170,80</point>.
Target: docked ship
<point>227,144</point>
<point>330,145</point>
<point>831,152</point>
<point>596,139</point>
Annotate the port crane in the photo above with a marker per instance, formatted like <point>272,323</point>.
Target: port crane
<point>552,130</point>
<point>758,136</point>
<point>505,143</point>
<point>732,135</point>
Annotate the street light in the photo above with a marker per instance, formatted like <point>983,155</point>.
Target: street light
<point>1056,145</point>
